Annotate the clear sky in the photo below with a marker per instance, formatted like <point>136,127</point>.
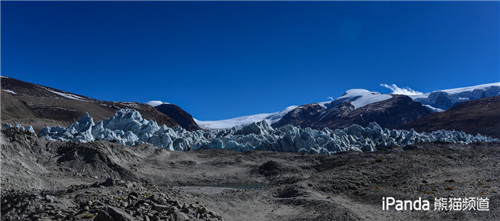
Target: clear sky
<point>220,60</point>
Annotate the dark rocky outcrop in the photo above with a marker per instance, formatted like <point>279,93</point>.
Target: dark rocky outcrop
<point>183,118</point>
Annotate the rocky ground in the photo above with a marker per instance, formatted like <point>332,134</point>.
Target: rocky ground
<point>48,180</point>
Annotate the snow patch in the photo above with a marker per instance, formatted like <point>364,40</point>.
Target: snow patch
<point>155,103</point>
<point>433,109</point>
<point>66,95</point>
<point>9,91</point>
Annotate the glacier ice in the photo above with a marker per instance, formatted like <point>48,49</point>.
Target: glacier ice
<point>127,127</point>
<point>244,120</point>
<point>27,128</point>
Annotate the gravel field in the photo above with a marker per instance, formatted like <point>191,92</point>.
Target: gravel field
<point>46,180</point>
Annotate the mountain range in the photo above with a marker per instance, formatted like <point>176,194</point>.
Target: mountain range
<point>39,106</point>
<point>470,109</point>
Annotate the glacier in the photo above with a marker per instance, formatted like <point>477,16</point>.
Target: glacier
<point>270,118</point>
<point>127,127</point>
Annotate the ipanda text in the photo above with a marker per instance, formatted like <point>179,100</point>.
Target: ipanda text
<point>391,202</point>
<point>450,204</point>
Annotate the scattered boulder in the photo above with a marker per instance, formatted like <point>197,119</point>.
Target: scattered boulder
<point>291,191</point>
<point>118,214</point>
<point>270,168</point>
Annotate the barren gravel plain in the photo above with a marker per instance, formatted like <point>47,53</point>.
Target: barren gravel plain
<point>52,180</point>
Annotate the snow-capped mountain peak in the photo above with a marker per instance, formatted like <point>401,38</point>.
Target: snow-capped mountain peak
<point>361,97</point>
<point>435,101</point>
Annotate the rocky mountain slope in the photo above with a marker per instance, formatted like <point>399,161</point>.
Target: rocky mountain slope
<point>389,113</point>
<point>183,118</point>
<point>361,107</point>
<point>477,116</point>
<point>38,105</point>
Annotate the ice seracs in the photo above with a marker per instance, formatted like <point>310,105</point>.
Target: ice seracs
<point>27,128</point>
<point>128,127</point>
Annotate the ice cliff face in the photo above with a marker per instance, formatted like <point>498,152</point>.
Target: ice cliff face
<point>127,127</point>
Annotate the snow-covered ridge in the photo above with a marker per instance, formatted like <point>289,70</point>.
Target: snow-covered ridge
<point>127,127</point>
<point>270,118</point>
<point>361,97</point>
<point>233,122</point>
<point>472,88</point>
<point>357,97</point>
<point>445,99</point>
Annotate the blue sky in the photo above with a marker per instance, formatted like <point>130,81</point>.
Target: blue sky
<point>220,60</point>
